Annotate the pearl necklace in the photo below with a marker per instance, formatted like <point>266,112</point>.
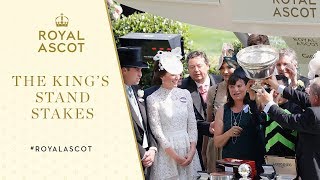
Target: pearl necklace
<point>235,123</point>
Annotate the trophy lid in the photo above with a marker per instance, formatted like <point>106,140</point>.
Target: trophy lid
<point>257,56</point>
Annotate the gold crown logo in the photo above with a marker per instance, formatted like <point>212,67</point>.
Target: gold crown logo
<point>62,21</point>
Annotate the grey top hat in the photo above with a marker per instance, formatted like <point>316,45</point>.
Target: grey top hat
<point>131,57</point>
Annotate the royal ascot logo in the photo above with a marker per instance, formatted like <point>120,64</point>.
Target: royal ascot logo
<point>62,21</point>
<point>61,39</point>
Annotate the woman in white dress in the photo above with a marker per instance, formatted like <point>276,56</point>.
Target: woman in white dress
<point>172,121</point>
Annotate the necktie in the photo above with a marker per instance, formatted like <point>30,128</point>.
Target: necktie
<point>131,96</point>
<point>130,92</point>
<point>203,90</point>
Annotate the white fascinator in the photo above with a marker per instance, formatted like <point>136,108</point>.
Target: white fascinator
<point>170,61</point>
<point>314,66</point>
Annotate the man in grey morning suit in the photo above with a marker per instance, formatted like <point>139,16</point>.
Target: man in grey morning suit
<point>131,65</point>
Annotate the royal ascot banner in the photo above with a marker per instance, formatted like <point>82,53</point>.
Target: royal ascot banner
<point>305,47</point>
<point>278,11</point>
<point>63,111</point>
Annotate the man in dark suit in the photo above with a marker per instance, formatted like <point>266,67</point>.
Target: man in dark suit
<point>307,124</point>
<point>198,84</point>
<point>131,65</point>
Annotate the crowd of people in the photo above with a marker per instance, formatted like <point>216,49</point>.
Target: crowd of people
<point>184,125</point>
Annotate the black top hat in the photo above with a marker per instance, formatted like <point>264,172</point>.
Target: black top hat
<point>131,57</point>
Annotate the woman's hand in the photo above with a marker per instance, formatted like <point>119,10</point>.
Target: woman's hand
<point>251,92</point>
<point>180,160</point>
<point>249,84</point>
<point>189,157</point>
<point>234,131</point>
<point>172,153</point>
<point>211,128</point>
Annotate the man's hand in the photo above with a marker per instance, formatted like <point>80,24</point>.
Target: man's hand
<point>272,81</point>
<point>276,97</point>
<point>148,158</point>
<point>265,97</point>
<point>292,71</point>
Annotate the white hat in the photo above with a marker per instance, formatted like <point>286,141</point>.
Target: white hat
<point>170,61</point>
<point>314,66</point>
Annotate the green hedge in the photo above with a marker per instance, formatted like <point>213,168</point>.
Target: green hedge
<point>148,23</point>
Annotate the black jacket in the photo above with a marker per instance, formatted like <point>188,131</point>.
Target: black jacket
<point>198,104</point>
<point>308,126</point>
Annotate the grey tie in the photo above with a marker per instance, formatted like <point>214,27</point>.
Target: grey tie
<point>131,95</point>
<point>130,91</point>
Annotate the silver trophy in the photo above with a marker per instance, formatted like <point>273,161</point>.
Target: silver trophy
<point>244,170</point>
<point>258,63</point>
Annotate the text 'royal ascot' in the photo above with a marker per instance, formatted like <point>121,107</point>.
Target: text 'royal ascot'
<point>295,8</point>
<point>61,41</point>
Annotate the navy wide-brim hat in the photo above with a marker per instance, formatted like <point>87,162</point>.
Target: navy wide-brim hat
<point>131,57</point>
<point>241,74</point>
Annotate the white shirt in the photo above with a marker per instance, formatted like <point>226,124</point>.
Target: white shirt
<point>206,83</point>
